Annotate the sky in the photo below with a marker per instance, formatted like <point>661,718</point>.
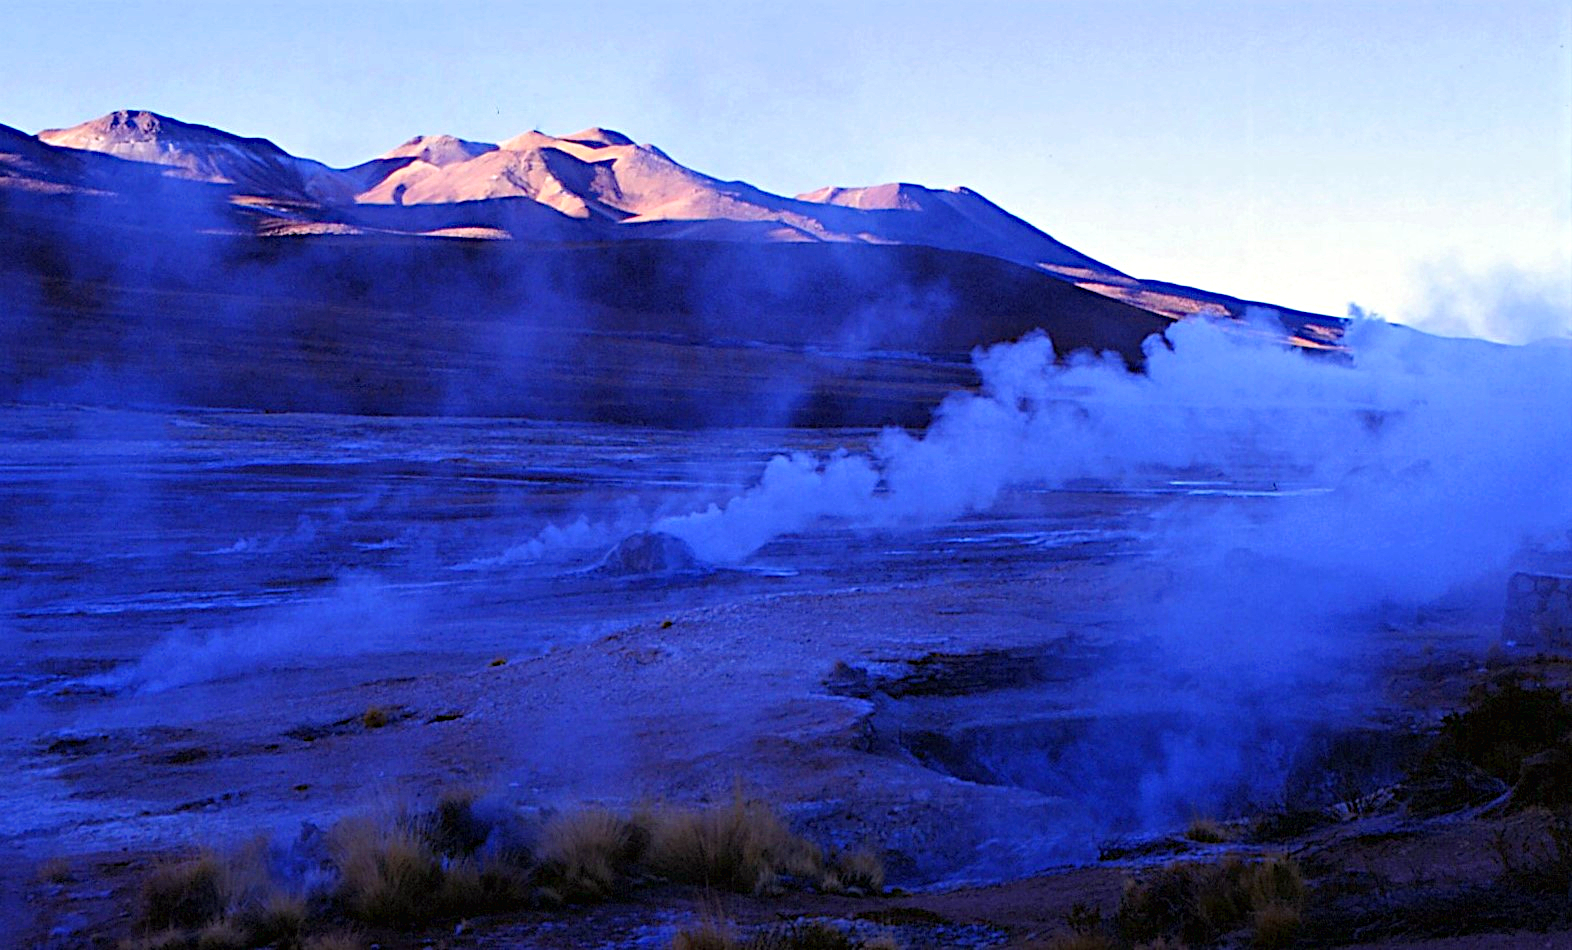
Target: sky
<point>1411,158</point>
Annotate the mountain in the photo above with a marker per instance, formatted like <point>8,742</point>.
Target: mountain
<point>576,276</point>
<point>200,153</point>
<point>603,176</point>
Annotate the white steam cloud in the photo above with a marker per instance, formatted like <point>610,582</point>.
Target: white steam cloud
<point>1425,467</point>
<point>1443,456</point>
<point>358,614</point>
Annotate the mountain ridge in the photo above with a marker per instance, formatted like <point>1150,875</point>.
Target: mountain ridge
<point>615,216</point>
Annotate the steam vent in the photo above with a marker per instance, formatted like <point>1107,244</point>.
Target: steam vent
<point>1539,611</point>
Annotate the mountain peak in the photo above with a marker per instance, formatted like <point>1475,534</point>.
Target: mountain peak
<point>126,132</point>
<point>598,137</point>
<point>440,149</point>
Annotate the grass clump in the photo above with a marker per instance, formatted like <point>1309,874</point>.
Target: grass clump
<point>184,895</point>
<point>55,870</point>
<point>1276,924</point>
<point>277,918</point>
<point>857,871</point>
<point>744,847</point>
<point>375,717</point>
<point>339,940</point>
<point>1072,940</point>
<point>796,935</point>
<point>388,874</point>
<point>222,935</point>
<point>457,860</point>
<point>1206,831</point>
<point>588,855</point>
<point>1198,903</point>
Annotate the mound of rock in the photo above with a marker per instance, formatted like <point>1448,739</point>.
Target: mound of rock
<point>651,552</point>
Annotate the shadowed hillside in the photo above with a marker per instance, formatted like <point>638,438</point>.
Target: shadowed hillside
<point>115,300</point>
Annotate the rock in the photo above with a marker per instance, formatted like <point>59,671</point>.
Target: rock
<point>651,552</point>
<point>1546,778</point>
<point>1448,785</point>
<point>1539,611</point>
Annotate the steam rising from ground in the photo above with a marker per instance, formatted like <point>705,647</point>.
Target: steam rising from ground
<point>1424,467</point>
<point>358,614</point>
<point>1443,456</point>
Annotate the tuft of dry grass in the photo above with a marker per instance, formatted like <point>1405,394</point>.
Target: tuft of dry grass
<point>708,935</point>
<point>1206,831</point>
<point>1072,940</point>
<point>1276,879</point>
<point>857,871</point>
<point>1276,924</point>
<point>173,938</point>
<point>54,871</point>
<point>375,717</point>
<point>184,895</point>
<point>388,874</point>
<point>276,918</point>
<point>340,940</point>
<point>715,934</point>
<point>803,935</point>
<point>223,935</point>
<point>453,827</point>
<point>744,847</point>
<point>586,855</point>
<point>1197,903</point>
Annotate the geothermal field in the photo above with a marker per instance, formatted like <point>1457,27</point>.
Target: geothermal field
<point>389,563</point>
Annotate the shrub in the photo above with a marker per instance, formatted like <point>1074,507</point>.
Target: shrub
<point>743,847</point>
<point>186,895</point>
<point>374,718</point>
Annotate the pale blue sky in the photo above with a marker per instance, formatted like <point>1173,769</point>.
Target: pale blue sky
<point>1413,157</point>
